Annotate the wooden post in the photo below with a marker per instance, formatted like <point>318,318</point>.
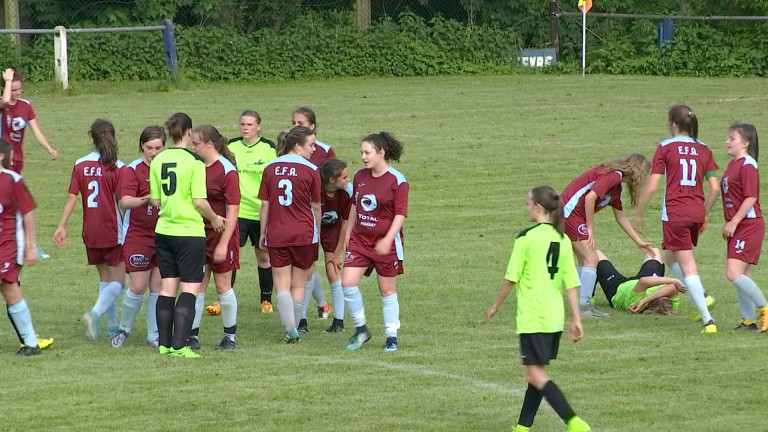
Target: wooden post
<point>60,56</point>
<point>554,28</point>
<point>363,14</point>
<point>11,15</point>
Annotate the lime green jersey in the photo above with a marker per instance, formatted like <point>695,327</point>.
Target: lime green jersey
<point>626,296</point>
<point>176,178</point>
<point>541,264</point>
<point>251,161</point>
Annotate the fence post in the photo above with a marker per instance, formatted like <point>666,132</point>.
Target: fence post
<point>363,14</point>
<point>554,28</point>
<point>666,32</point>
<point>60,56</point>
<point>11,12</point>
<point>169,46</point>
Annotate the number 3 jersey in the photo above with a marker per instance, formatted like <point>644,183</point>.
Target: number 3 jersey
<point>541,265</point>
<point>98,185</point>
<point>377,201</point>
<point>685,162</point>
<point>289,185</point>
<point>140,221</point>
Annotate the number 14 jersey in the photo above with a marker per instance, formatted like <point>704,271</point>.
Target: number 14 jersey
<point>289,185</point>
<point>685,162</point>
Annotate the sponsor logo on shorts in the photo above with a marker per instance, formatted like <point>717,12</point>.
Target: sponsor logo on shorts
<point>139,260</point>
<point>583,230</point>
<point>368,202</point>
<point>348,257</point>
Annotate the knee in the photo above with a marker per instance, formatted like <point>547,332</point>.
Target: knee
<point>732,274</point>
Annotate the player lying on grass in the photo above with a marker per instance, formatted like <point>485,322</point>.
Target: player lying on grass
<point>647,292</point>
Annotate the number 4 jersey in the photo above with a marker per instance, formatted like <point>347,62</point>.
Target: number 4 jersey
<point>289,185</point>
<point>685,162</point>
<point>97,183</point>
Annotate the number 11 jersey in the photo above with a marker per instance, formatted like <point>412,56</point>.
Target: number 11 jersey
<point>685,162</point>
<point>289,185</point>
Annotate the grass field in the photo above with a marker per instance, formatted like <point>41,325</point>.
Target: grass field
<point>473,146</point>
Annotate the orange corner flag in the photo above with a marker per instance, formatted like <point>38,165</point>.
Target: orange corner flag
<point>585,5</point>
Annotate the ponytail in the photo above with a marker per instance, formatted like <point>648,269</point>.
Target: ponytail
<point>287,141</point>
<point>393,148</point>
<point>103,136</point>
<point>685,119</point>
<point>546,197</point>
<point>178,125</point>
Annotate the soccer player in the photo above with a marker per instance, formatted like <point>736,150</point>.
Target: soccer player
<point>17,248</point>
<point>17,114</point>
<point>96,176</point>
<point>744,229</point>
<point>686,162</point>
<point>290,222</point>
<point>335,205</point>
<point>305,117</point>
<point>375,238</point>
<point>586,195</point>
<point>542,265</point>
<point>177,185</point>
<point>139,245</point>
<point>648,292</point>
<point>253,152</point>
<point>222,249</point>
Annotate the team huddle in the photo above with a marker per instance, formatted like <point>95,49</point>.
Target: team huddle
<point>176,218</point>
<point>544,256</point>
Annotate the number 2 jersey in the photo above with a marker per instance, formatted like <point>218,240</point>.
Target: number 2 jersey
<point>98,185</point>
<point>140,221</point>
<point>289,185</point>
<point>685,162</point>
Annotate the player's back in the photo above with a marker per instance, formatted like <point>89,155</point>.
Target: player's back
<point>98,184</point>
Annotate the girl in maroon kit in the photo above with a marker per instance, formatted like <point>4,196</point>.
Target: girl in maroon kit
<point>744,229</point>
<point>376,235</point>
<point>290,222</point>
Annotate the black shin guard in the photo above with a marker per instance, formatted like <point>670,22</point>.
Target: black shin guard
<point>265,283</point>
<point>530,406</point>
<point>557,400</point>
<point>164,315</point>
<point>183,316</point>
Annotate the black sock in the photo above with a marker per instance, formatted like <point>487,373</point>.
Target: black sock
<point>361,329</point>
<point>557,400</point>
<point>234,276</point>
<point>530,406</point>
<point>164,316</point>
<point>21,339</point>
<point>265,283</point>
<point>195,332</point>
<point>183,316</point>
<point>230,330</point>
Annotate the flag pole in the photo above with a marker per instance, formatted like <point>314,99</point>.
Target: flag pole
<point>583,39</point>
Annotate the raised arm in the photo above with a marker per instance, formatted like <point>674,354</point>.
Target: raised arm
<point>651,281</point>
<point>8,78</point>
<point>668,290</point>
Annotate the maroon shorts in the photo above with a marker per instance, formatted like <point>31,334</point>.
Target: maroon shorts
<point>17,166</point>
<point>747,240</point>
<point>139,258</point>
<point>680,235</point>
<point>232,261</point>
<point>385,268</point>
<point>576,228</point>
<point>111,255</point>
<point>298,256</point>
<point>9,271</point>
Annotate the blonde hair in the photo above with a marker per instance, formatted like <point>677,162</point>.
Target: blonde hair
<point>635,170</point>
<point>659,306</point>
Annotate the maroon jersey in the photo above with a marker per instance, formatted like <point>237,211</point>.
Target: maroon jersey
<point>740,182</point>
<point>322,153</point>
<point>607,186</point>
<point>15,201</point>
<point>684,161</point>
<point>139,222</point>
<point>290,183</point>
<point>102,221</point>
<point>223,185</point>
<point>377,201</point>
<point>15,121</point>
<point>334,210</point>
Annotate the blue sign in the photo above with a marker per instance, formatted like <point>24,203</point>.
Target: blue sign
<point>538,57</point>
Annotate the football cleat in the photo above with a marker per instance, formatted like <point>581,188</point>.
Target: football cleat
<point>591,311</point>
<point>302,328</point>
<point>709,328</point>
<point>185,352</point>
<point>214,309</point>
<point>112,332</point>
<point>153,343</point>
<point>226,344</point>
<point>291,337</point>
<point>28,351</point>
<point>266,307</point>
<point>520,428</point>
<point>41,343</point>
<point>119,340</point>
<point>323,312</point>
<point>336,327</point>
<point>576,424</point>
<point>91,322</point>
<point>358,340</point>
<point>163,349</point>
<point>193,342</point>
<point>391,344</point>
<point>763,322</point>
<point>746,327</point>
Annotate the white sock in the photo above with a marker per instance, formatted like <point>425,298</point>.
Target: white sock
<point>151,310</point>
<point>108,295</point>
<point>354,303</point>
<point>285,310</point>
<point>746,285</point>
<point>588,278</point>
<point>391,312</point>
<point>338,300</point>
<point>228,302</point>
<point>199,307</point>
<point>696,291</point>
<point>317,290</point>
<point>678,271</point>
<point>746,306</point>
<point>131,307</point>
<point>307,295</point>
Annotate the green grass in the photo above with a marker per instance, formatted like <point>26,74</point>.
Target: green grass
<point>473,146</point>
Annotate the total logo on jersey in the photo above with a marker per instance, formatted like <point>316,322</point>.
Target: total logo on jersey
<point>368,202</point>
<point>330,217</point>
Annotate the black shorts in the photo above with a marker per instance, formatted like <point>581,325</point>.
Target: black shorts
<point>610,278</point>
<point>181,257</point>
<point>539,348</point>
<point>249,228</point>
